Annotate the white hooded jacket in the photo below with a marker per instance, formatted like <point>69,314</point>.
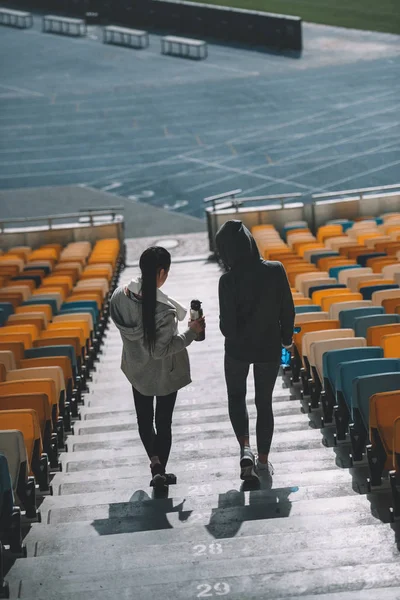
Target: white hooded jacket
<point>166,369</point>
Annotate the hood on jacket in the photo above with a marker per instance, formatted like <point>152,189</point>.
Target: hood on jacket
<point>236,245</point>
<point>127,315</point>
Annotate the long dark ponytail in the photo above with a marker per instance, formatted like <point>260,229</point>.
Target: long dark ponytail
<point>151,262</point>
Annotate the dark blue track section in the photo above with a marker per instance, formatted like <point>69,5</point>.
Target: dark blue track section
<point>169,131</point>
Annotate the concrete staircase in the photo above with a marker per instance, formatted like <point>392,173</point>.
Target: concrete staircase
<point>312,532</point>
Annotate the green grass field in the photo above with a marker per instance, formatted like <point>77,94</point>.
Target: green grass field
<point>373,15</point>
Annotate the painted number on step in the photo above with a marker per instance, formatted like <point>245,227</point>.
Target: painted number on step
<point>200,489</point>
<point>194,466</point>
<point>218,589</point>
<point>192,446</point>
<point>191,429</point>
<point>202,549</point>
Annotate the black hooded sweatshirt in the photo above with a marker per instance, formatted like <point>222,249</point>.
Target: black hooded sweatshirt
<point>256,305</point>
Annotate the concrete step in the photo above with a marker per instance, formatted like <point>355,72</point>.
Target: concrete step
<point>211,424</point>
<point>81,507</point>
<point>196,466</point>
<point>309,438</point>
<point>282,576</point>
<point>331,552</point>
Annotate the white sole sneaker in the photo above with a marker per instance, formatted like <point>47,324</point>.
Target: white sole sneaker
<point>248,474</point>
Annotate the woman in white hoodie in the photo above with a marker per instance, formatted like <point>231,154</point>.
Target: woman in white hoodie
<point>154,355</point>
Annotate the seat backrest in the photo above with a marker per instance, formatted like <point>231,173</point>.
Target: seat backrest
<point>82,316</point>
<point>362,323</point>
<point>320,281</point>
<point>22,328</point>
<point>320,347</point>
<point>309,316</point>
<point>60,341</point>
<point>7,359</point>
<point>329,334</point>
<point>36,318</point>
<point>356,279</point>
<point>383,411</point>
<point>334,271</point>
<point>53,351</point>
<point>303,277</point>
<point>7,309</point>
<point>40,303</point>
<point>12,445</point>
<point>73,325</point>
<point>389,271</point>
<point>313,326</point>
<point>50,293</point>
<point>334,299</point>
<point>368,291</point>
<point>26,421</point>
<point>308,308</point>
<point>81,304</point>
<point>30,386</point>
<point>366,386</point>
<point>375,334</point>
<point>9,336</point>
<point>316,292</point>
<point>345,275</point>
<point>16,347</point>
<point>348,317</point>
<point>391,345</point>
<point>65,332</point>
<point>332,358</point>
<point>46,372</point>
<point>336,308</point>
<point>346,372</point>
<point>379,296</point>
<point>35,401</point>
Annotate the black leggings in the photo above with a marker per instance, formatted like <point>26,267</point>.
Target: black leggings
<point>157,442</point>
<point>265,375</point>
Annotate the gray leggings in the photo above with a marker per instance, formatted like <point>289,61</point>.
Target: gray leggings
<point>265,375</point>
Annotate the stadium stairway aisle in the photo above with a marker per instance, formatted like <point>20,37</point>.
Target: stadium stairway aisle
<point>311,533</point>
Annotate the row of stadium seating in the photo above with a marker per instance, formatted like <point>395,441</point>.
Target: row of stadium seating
<point>346,351</point>
<point>53,314</point>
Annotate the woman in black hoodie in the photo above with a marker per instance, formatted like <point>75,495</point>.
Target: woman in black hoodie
<point>256,319</point>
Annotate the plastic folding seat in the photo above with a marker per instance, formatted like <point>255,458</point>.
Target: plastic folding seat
<point>38,319</point>
<point>43,310</point>
<point>40,404</point>
<point>335,270</point>
<point>362,259</point>
<point>379,297</point>
<point>389,247</point>
<point>297,343</point>
<point>363,388</point>
<point>336,261</point>
<point>363,323</point>
<point>7,309</point>
<point>316,257</point>
<point>27,381</point>
<point>328,301</point>
<point>310,316</point>
<point>309,308</point>
<point>43,265</point>
<point>336,242</point>
<point>337,307</point>
<point>316,354</point>
<point>7,359</point>
<point>42,301</point>
<point>389,271</point>
<point>303,278</point>
<point>61,339</point>
<point>16,282</point>
<point>330,360</point>
<point>317,293</point>
<point>23,290</point>
<point>391,345</point>
<point>54,351</point>
<point>107,267</point>
<point>16,347</point>
<point>88,285</point>
<point>346,372</point>
<point>22,251</point>
<point>7,337</point>
<point>28,328</point>
<point>371,242</point>
<point>368,291</point>
<point>77,297</point>
<point>379,281</point>
<point>356,271</point>
<point>84,310</point>
<point>377,264</point>
<point>58,281</point>
<point>375,334</point>
<point>321,282</point>
<point>383,412</point>
<point>355,280</point>
<point>31,278</point>
<point>56,293</point>
<point>315,336</point>
<point>26,421</point>
<point>328,231</point>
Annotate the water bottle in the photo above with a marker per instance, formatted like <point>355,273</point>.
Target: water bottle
<point>196,312</point>
<point>285,358</point>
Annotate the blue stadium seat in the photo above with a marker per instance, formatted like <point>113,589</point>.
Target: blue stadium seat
<point>362,259</point>
<point>315,257</point>
<point>345,223</point>
<point>330,361</point>
<point>44,268</point>
<point>326,286</point>
<point>86,309</point>
<point>7,309</point>
<point>27,277</point>
<point>368,290</point>
<point>346,373</point>
<point>348,317</point>
<point>361,324</point>
<point>82,305</point>
<point>334,271</point>
<point>307,308</point>
<point>3,317</point>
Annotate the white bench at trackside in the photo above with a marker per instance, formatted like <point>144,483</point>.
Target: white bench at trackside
<point>16,18</point>
<point>122,36</point>
<point>177,46</point>
<point>64,25</point>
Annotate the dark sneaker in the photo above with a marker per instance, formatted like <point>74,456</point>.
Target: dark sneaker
<point>263,468</point>
<point>159,478</point>
<point>249,474</point>
<point>247,470</point>
<point>246,458</point>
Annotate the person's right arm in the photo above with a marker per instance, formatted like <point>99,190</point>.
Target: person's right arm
<point>287,312</point>
<point>167,342</point>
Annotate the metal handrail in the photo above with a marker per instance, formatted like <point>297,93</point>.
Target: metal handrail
<point>357,191</point>
<point>112,210</point>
